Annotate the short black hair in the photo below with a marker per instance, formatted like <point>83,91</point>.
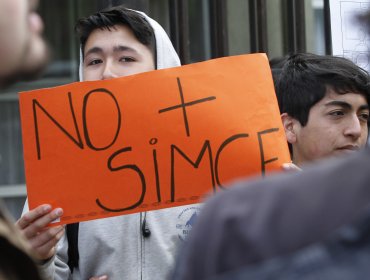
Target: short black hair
<point>108,18</point>
<point>305,79</point>
<point>276,65</point>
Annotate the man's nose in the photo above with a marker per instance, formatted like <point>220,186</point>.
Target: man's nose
<point>354,128</point>
<point>108,72</point>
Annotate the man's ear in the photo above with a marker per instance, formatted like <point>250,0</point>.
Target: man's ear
<point>289,124</point>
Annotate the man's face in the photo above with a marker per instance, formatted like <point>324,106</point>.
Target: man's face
<point>115,53</point>
<point>22,49</point>
<point>336,125</point>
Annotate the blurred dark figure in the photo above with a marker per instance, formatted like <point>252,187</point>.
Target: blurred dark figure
<point>23,54</point>
<point>16,262</point>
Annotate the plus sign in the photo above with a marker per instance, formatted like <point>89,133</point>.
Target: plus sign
<point>183,105</point>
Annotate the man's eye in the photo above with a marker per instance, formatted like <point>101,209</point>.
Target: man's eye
<point>127,59</point>
<point>364,116</point>
<point>94,62</point>
<point>336,113</point>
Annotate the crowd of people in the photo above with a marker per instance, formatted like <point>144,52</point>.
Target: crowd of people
<point>312,223</point>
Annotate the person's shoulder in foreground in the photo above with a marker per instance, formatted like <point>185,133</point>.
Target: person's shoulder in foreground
<point>343,255</point>
<point>256,220</point>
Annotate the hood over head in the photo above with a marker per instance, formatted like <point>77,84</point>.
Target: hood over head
<point>166,56</point>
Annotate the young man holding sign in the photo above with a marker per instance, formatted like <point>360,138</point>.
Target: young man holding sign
<point>115,42</point>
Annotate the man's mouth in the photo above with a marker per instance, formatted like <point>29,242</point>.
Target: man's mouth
<point>348,148</point>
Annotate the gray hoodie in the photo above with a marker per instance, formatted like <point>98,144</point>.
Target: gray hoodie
<point>116,246</point>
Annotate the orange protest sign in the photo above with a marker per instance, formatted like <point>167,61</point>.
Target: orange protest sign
<point>149,141</point>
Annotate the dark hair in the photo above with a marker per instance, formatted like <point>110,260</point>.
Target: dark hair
<point>16,261</point>
<point>16,264</point>
<point>305,79</point>
<point>108,18</point>
<point>276,65</point>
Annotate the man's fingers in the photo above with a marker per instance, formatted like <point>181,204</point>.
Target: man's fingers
<point>47,250</point>
<point>46,236</point>
<point>42,239</point>
<point>32,215</point>
<point>39,224</point>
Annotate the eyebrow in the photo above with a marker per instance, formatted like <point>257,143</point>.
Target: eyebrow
<point>121,48</point>
<point>345,105</point>
<point>116,49</point>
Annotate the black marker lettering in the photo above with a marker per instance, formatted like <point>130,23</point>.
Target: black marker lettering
<point>184,104</point>
<point>222,147</point>
<point>77,141</point>
<point>86,132</point>
<point>205,147</point>
<point>154,141</point>
<point>133,167</point>
<point>263,161</point>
